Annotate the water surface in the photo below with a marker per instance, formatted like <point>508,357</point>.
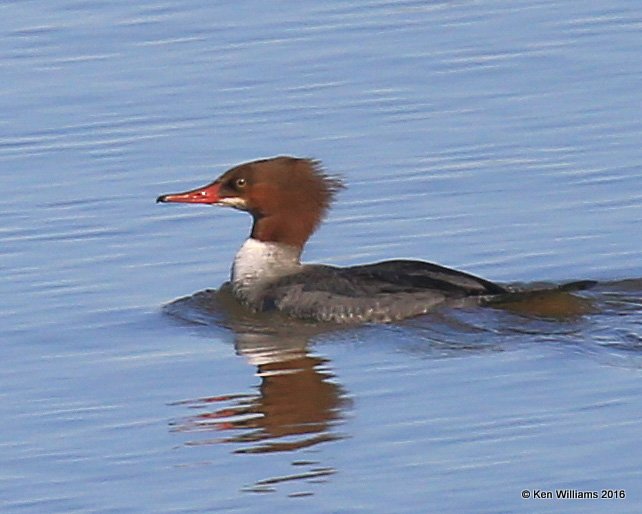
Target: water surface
<point>502,138</point>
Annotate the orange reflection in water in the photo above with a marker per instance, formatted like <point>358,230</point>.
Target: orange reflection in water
<point>296,406</point>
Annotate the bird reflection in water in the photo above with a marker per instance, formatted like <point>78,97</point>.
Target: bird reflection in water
<point>296,406</point>
<point>298,403</point>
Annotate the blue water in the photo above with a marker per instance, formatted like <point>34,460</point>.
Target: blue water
<point>502,138</point>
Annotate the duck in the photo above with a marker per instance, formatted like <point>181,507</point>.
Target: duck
<point>288,197</point>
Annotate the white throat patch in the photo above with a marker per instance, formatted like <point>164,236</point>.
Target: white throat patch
<point>258,262</point>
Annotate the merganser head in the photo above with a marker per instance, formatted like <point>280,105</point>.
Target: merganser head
<point>287,197</point>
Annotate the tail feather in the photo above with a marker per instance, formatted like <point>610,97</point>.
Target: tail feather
<point>579,285</point>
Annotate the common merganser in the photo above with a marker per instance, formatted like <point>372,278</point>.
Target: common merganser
<point>287,198</point>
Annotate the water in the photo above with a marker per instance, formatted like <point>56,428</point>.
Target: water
<point>497,137</point>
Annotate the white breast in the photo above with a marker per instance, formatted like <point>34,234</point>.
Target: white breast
<point>258,263</point>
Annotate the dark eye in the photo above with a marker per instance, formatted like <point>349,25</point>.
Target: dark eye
<point>240,182</point>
